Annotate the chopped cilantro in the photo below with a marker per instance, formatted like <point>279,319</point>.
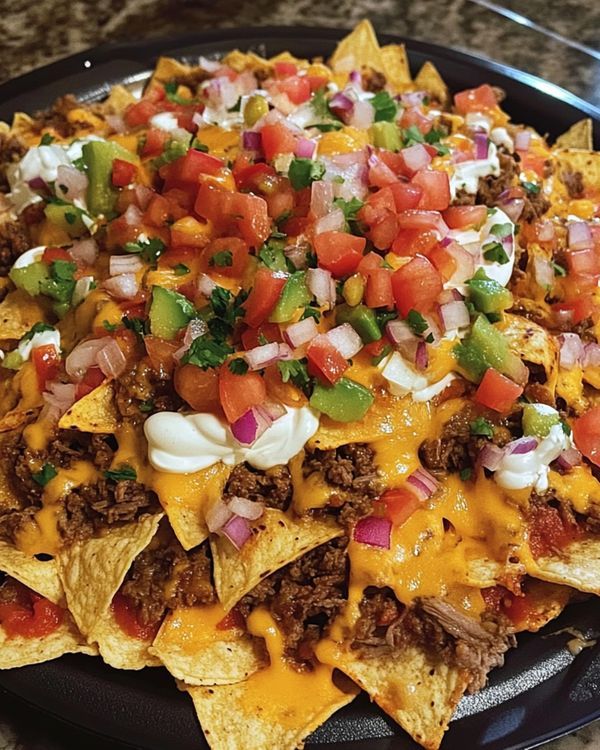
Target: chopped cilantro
<point>205,352</point>
<point>416,322</point>
<point>37,328</point>
<point>311,312</point>
<point>294,370</point>
<point>198,146</point>
<point>47,473</point>
<point>566,427</point>
<point>262,339</point>
<point>319,103</point>
<point>70,218</point>
<point>350,209</point>
<point>465,474</point>
<point>60,285</point>
<point>124,472</point>
<point>110,327</point>
<point>481,426</point>
<point>221,259</point>
<point>558,269</point>
<point>172,95</point>
<point>495,253</point>
<point>272,256</point>
<point>501,230</point>
<point>238,366</point>
<point>46,139</point>
<point>149,250</point>
<point>181,269</point>
<point>412,135</point>
<point>327,127</point>
<point>385,107</point>
<point>137,325</point>
<point>281,219</point>
<point>383,316</point>
<point>303,172</point>
<point>146,406</point>
<point>531,187</point>
<point>219,300</point>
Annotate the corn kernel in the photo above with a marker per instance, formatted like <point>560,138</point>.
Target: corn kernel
<point>353,289</point>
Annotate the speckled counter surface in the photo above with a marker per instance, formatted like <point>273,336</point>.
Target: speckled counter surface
<point>34,34</point>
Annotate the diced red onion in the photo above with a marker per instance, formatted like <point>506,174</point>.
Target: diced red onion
<point>544,273</point>
<point>380,175</point>
<point>454,315</point>
<point>132,215</point>
<point>545,230</point>
<point>272,410</point>
<point>116,123</point>
<point>432,332</point>
<point>465,263</point>
<point>341,105</point>
<point>490,456</point>
<point>206,285</point>
<point>413,98</point>
<point>421,356</point>
<point>512,203</point>
<point>332,222</point>
<point>60,395</point>
<point>571,350</point>
<point>125,286</point>
<point>251,141</point>
<point>400,334</point>
<point>301,333</point>
<point>591,355</point>
<point>237,530</point>
<point>481,145</point>
<point>569,459</point>
<point>143,196</point>
<point>37,183</point>
<point>450,295</point>
<point>522,140</point>
<point>119,264</point>
<point>422,483</point>
<point>217,516</point>
<point>245,508</point>
<point>265,355</point>
<point>83,357</point>
<point>362,116</point>
<point>345,339</point>
<point>73,180</point>
<point>305,148</point>
<point>297,255</point>
<point>81,290</point>
<point>84,251</point>
<point>111,360</point>
<point>416,157</point>
<point>249,427</point>
<point>355,78</point>
<point>375,531</point>
<point>521,446</point>
<point>321,198</point>
<point>322,286</point>
<point>580,236</point>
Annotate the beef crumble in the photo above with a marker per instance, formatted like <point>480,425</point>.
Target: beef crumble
<point>143,390</point>
<point>304,598</point>
<point>56,117</point>
<point>12,149</point>
<point>14,240</point>
<point>273,487</point>
<point>573,182</point>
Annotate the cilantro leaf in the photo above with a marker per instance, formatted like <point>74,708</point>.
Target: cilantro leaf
<point>385,107</point>
<point>205,352</point>
<point>531,187</point>
<point>219,300</point>
<point>238,366</point>
<point>558,269</point>
<point>198,146</point>
<point>172,95</point>
<point>181,269</point>
<point>465,474</point>
<point>482,426</point>
<point>311,312</point>
<point>566,427</point>
<point>294,370</point>
<point>47,473</point>
<point>272,256</point>
<point>221,259</point>
<point>110,327</point>
<point>124,472</point>
<point>61,284</point>
<point>319,103</point>
<point>149,250</point>
<point>37,328</point>
<point>416,322</point>
<point>495,253</point>
<point>46,139</point>
<point>146,406</point>
<point>350,209</point>
<point>137,325</point>
<point>303,172</point>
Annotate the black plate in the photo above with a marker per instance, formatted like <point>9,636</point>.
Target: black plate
<point>542,692</point>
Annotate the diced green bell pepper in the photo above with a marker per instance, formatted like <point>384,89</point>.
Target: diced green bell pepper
<point>346,401</point>
<point>67,217</point>
<point>385,135</point>
<point>485,347</point>
<point>98,157</point>
<point>30,277</point>
<point>362,319</point>
<point>169,312</point>
<point>539,419</point>
<point>487,295</point>
<point>295,294</point>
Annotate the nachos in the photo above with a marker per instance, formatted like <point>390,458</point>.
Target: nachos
<point>300,386</point>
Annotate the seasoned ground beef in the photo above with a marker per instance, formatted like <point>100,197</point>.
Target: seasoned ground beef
<point>385,626</point>
<point>490,188</point>
<point>142,391</point>
<point>92,507</point>
<point>304,598</point>
<point>56,117</point>
<point>11,151</point>
<point>574,183</point>
<point>351,470</point>
<point>273,487</point>
<point>164,576</point>
<point>14,240</point>
<point>536,205</point>
<point>373,80</point>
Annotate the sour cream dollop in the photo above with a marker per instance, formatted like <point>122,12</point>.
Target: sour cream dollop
<point>465,175</point>
<point>518,471</point>
<point>183,443</point>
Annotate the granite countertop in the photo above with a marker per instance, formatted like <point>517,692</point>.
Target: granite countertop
<point>559,40</point>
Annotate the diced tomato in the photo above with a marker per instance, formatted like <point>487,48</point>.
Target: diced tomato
<point>255,177</point>
<point>263,297</point>
<point>394,161</point>
<point>586,434</point>
<point>46,361</point>
<point>281,201</point>
<point>339,252</point>
<point>283,69</point>
<point>414,242</point>
<point>379,214</point>
<point>199,388</point>
<point>212,203</point>
<point>548,530</point>
<point>581,308</point>
<point>185,173</point>
<point>155,93</point>
<point>239,393</point>
<point>265,333</point>
<point>436,189</point>
<point>92,379</point>
<point>160,351</point>
<point>51,254</point>
<point>497,392</point>
<point>400,504</point>
<point>442,260</point>
<point>161,211</point>
<point>406,195</point>
<point>376,348</point>
<point>295,226</point>
<point>296,88</point>
<point>479,99</point>
<point>317,82</point>
<point>416,286</point>
<point>127,619</point>
<point>277,139</point>
<point>380,175</point>
<point>233,256</point>
<point>252,218</point>
<point>233,620</point>
<point>379,288</point>
<point>461,217</point>
<point>585,262</point>
<point>28,615</point>
<point>154,143</point>
<point>325,361</point>
<point>189,232</point>
<point>369,262</point>
<point>533,162</point>
<point>414,116</point>
<point>123,172</point>
<point>422,220</point>
<point>139,113</point>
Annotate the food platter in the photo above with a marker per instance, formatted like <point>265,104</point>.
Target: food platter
<point>138,708</point>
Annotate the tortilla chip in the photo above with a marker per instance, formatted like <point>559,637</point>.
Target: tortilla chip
<point>92,571</point>
<point>580,160</point>
<point>41,576</point>
<point>357,50</point>
<point>395,62</point>
<point>15,419</point>
<point>277,541</point>
<point>95,412</point>
<point>419,693</point>
<point>118,100</point>
<point>185,497</point>
<point>277,716</point>
<point>120,650</point>
<point>194,650</point>
<point>577,565</point>
<point>579,135</point>
<point>428,79</point>
<point>241,61</point>
<point>18,313</point>
<point>19,651</point>
<point>533,344</point>
<point>545,601</point>
<point>168,68</point>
